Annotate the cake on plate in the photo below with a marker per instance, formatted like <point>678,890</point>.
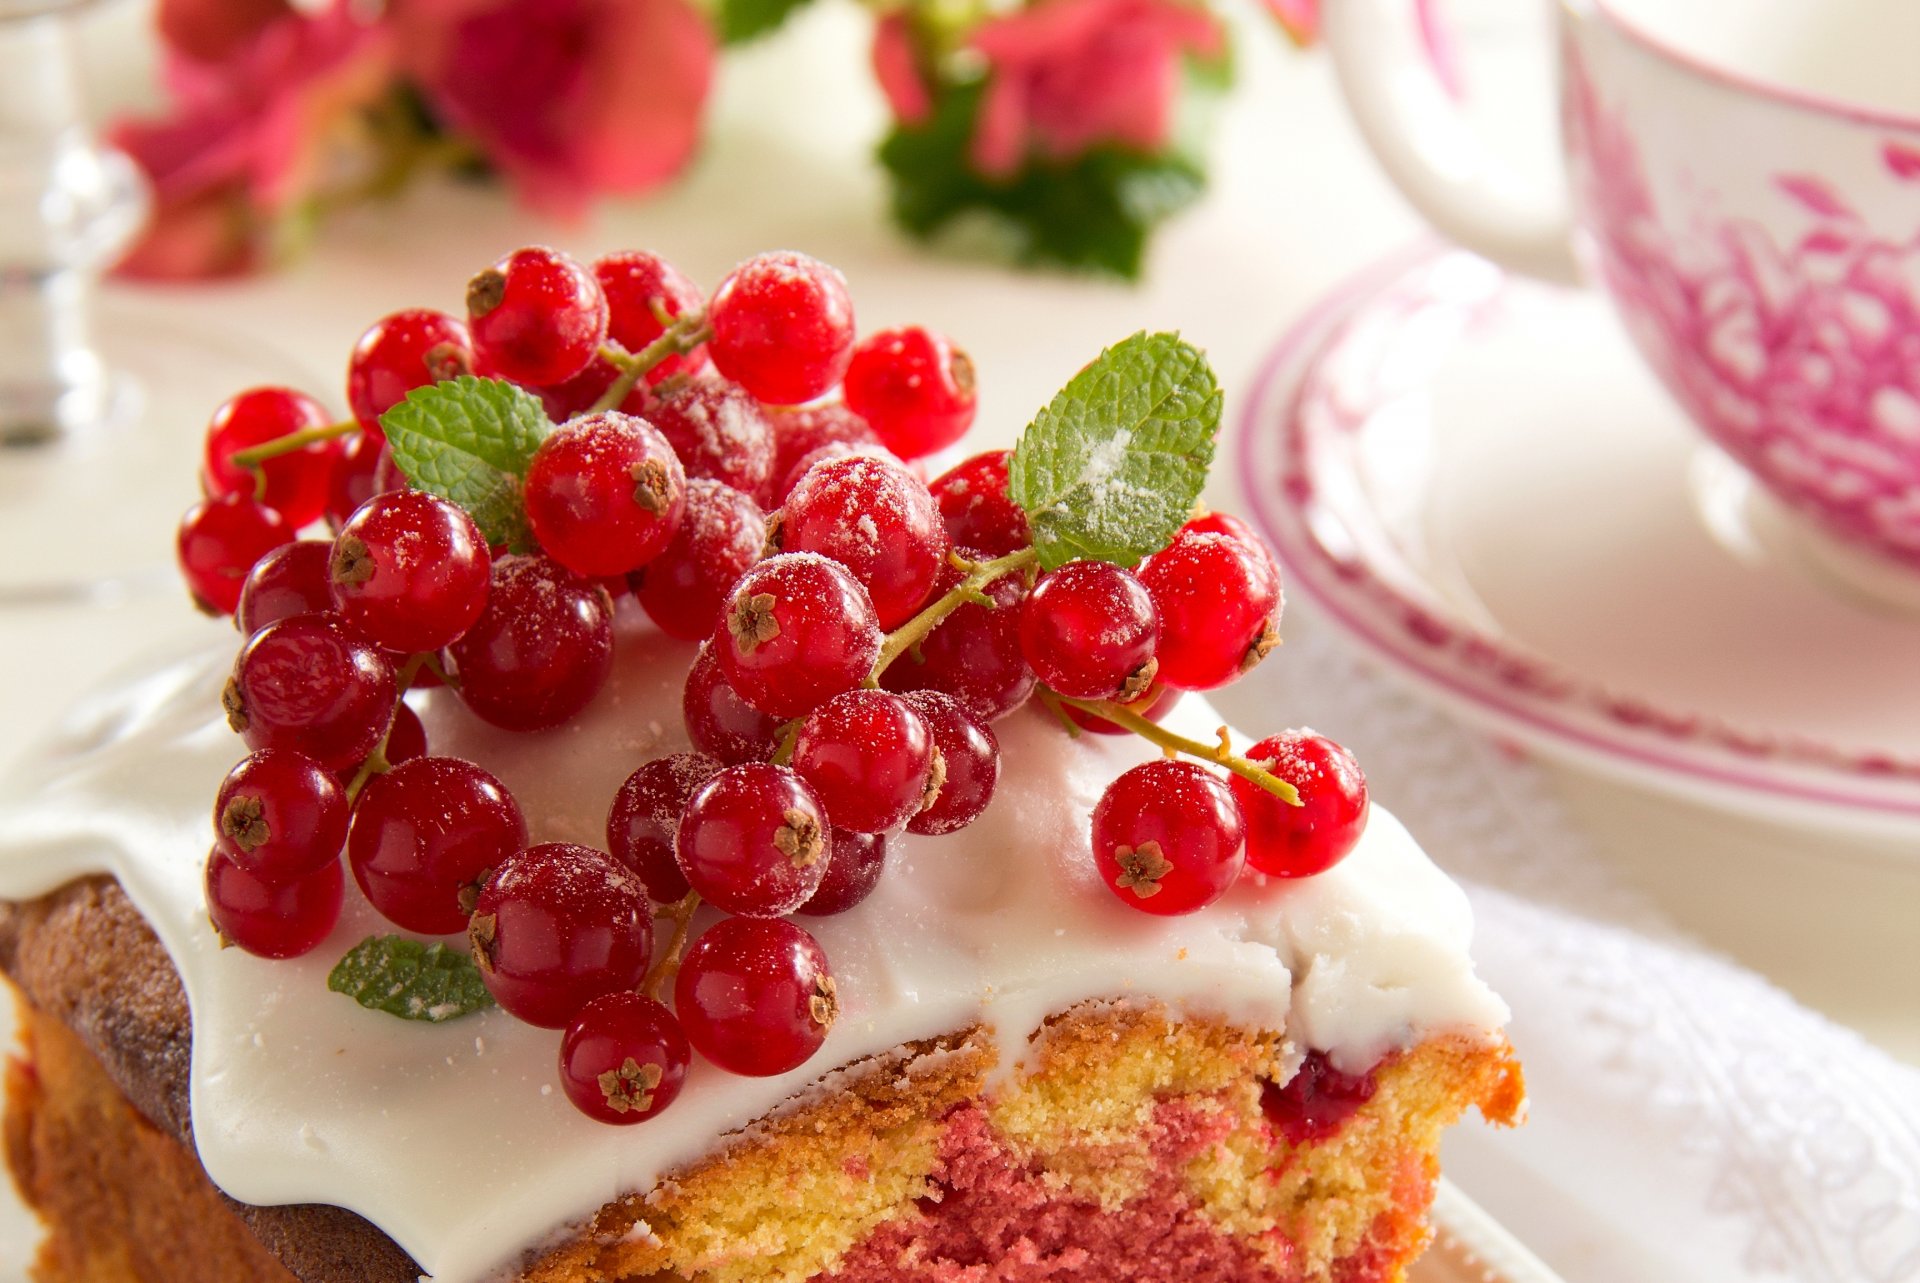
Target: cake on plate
<point>880,903</point>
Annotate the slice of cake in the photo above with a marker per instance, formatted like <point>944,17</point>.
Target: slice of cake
<point>914,924</point>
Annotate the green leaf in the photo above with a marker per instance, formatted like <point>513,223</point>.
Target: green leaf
<point>1111,468</point>
<point>743,20</point>
<point>411,980</point>
<point>469,440</point>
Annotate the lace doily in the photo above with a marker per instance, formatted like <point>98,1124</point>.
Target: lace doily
<point>1690,1121</point>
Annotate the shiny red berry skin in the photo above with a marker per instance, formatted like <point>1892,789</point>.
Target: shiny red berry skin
<point>915,387</point>
<point>409,349</point>
<point>796,631</point>
<point>313,684</point>
<point>1088,630</point>
<point>1217,591</point>
<point>721,535</point>
<point>425,836</point>
<point>755,996</point>
<point>969,753</point>
<point>974,504</point>
<point>557,926</point>
<point>719,722</point>
<point>605,494</point>
<point>541,649</point>
<point>1168,837</point>
<point>644,821</point>
<point>406,738</point>
<point>831,450</point>
<point>870,758</point>
<point>281,815</point>
<point>855,862</point>
<point>782,327</point>
<point>1154,706</point>
<point>718,431</point>
<point>297,483</point>
<point>798,431</point>
<point>753,840</point>
<point>623,1059</point>
<point>974,655</point>
<point>220,541</point>
<point>267,919</point>
<point>1300,841</point>
<point>537,317</point>
<point>358,475</point>
<point>289,580</point>
<point>634,281</point>
<point>583,391</point>
<point>410,570</point>
<point>876,519</point>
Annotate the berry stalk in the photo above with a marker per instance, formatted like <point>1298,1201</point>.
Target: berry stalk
<point>253,456</point>
<point>376,762</point>
<point>979,575</point>
<point>686,333</point>
<point>1221,753</point>
<point>663,971</point>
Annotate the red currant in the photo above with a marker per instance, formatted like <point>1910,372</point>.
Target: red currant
<point>1217,592</point>
<point>357,475</point>
<point>915,387</point>
<point>977,509</point>
<point>410,349</point>
<point>1154,706</point>
<point>755,996</point>
<point>268,919</point>
<point>1168,837</point>
<point>870,758</point>
<point>719,722</point>
<point>753,840</point>
<point>623,1058</point>
<point>796,631</point>
<point>855,862</point>
<point>971,757</point>
<point>782,327</point>
<point>220,541</point>
<point>537,317</point>
<point>425,836</point>
<point>289,580</point>
<point>557,926</point>
<point>296,483</point>
<point>974,655</point>
<point>583,391</point>
<point>798,431</point>
<point>407,738</point>
<point>605,494</point>
<point>314,684</point>
<point>542,648</point>
<point>721,535</point>
<point>1089,629</point>
<point>718,431</point>
<point>876,519</point>
<point>639,287</point>
<point>1300,841</point>
<point>410,570</point>
<point>283,816</point>
<point>831,450</point>
<point>645,819</point>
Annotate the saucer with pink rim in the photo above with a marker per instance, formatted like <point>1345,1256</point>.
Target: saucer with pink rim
<point>1475,479</point>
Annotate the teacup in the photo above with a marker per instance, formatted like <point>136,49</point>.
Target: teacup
<point>1743,179</point>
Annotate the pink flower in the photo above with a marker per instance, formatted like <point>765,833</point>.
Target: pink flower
<point>896,64</point>
<point>1068,75</point>
<point>570,99</point>
<point>247,139</point>
<point>215,30</point>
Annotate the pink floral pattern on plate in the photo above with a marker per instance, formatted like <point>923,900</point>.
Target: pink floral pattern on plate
<point>1799,355</point>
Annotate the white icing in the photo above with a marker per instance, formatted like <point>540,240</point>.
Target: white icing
<point>452,1139</point>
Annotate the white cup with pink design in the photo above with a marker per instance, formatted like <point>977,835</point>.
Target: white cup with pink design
<point>1743,180</point>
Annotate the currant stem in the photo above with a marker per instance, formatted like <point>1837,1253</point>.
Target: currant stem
<point>1221,753</point>
<point>253,456</point>
<point>377,763</point>
<point>979,575</point>
<point>686,333</point>
<point>663,971</point>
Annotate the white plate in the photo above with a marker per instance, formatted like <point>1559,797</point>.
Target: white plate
<point>1483,488</point>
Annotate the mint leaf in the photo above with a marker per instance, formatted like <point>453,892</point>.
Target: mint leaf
<point>742,20</point>
<point>468,440</point>
<point>1111,468</point>
<point>410,980</point>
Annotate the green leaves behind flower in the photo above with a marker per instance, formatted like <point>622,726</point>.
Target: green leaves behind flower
<point>739,21</point>
<point>469,440</point>
<point>411,980</point>
<point>1111,468</point>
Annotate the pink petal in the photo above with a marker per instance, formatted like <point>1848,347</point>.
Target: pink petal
<point>1813,194</point>
<point>897,68</point>
<point>1903,159</point>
